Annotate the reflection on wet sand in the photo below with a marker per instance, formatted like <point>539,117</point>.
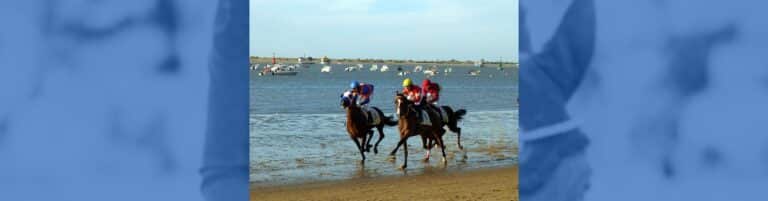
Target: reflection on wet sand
<point>282,156</point>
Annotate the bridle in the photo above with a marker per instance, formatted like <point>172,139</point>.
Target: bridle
<point>398,104</point>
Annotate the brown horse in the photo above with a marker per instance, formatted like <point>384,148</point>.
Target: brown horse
<point>409,125</point>
<point>358,127</point>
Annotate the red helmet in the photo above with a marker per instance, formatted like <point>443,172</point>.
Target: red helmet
<point>425,82</point>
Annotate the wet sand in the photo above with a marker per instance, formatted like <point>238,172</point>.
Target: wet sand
<point>484,184</point>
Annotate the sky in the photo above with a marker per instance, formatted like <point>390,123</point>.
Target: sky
<point>386,29</point>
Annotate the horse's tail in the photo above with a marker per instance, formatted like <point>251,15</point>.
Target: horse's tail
<point>459,114</point>
<point>389,121</point>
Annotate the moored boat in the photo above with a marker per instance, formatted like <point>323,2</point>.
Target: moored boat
<point>325,69</point>
<point>418,68</point>
<point>279,69</point>
<point>473,72</point>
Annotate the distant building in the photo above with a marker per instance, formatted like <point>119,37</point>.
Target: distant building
<point>325,60</point>
<point>480,63</point>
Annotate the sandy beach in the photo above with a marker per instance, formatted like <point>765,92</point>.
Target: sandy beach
<point>484,184</point>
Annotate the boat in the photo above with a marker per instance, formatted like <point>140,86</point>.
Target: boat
<point>266,70</point>
<point>418,68</point>
<point>325,69</point>
<point>350,68</point>
<point>403,73</point>
<point>473,72</point>
<point>254,66</point>
<point>283,70</point>
<point>384,68</point>
<point>430,72</point>
<point>306,61</point>
<point>448,70</point>
<point>285,73</point>
<point>374,67</point>
<point>360,66</point>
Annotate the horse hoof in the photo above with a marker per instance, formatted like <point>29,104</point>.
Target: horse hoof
<point>375,151</point>
<point>425,160</point>
<point>445,161</point>
<point>461,147</point>
<point>402,167</point>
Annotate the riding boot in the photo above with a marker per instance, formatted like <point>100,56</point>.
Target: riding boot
<point>419,112</point>
<point>368,114</point>
<point>439,112</point>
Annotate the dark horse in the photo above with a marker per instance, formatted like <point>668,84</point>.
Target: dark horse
<point>358,127</point>
<point>451,121</point>
<point>409,125</point>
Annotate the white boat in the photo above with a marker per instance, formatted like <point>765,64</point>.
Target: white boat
<point>418,68</point>
<point>403,73</point>
<point>350,68</point>
<point>254,66</point>
<point>325,69</point>
<point>280,69</point>
<point>374,67</point>
<point>448,70</point>
<point>474,72</point>
<point>430,72</point>
<point>360,66</point>
<point>384,68</point>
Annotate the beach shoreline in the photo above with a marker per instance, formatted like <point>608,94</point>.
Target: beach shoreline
<point>482,184</point>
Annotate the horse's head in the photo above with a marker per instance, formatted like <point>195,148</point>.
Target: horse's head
<point>345,102</point>
<point>402,104</point>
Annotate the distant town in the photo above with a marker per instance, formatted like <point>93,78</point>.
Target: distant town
<point>346,61</point>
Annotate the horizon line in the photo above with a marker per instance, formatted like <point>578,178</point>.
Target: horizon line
<point>347,58</point>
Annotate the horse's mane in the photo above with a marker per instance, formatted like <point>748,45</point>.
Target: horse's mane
<point>399,94</point>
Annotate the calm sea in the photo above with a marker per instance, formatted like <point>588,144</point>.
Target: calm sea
<point>298,133</point>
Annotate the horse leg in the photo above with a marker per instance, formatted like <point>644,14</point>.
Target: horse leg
<point>405,153</point>
<point>442,145</point>
<point>368,142</point>
<point>458,138</point>
<point>360,148</point>
<point>381,137</point>
<point>425,143</point>
<point>392,154</point>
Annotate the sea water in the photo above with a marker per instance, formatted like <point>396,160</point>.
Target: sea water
<point>298,131</point>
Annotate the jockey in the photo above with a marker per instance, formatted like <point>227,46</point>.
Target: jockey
<point>431,93</point>
<point>362,92</point>
<point>411,91</point>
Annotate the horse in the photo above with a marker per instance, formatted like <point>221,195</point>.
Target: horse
<point>451,121</point>
<point>409,125</point>
<point>358,127</point>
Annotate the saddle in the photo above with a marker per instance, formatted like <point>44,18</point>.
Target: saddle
<point>425,120</point>
<point>440,113</point>
<point>371,115</point>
